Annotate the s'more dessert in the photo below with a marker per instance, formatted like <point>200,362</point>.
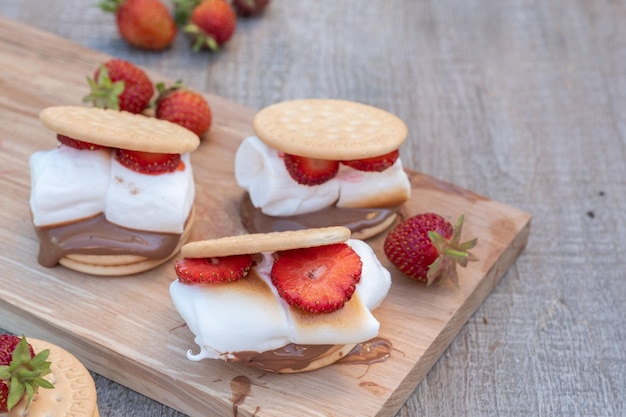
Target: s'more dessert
<point>56,384</point>
<point>115,197</point>
<point>282,302</point>
<point>322,162</point>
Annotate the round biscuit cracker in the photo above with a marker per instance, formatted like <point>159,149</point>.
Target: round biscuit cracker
<point>74,391</point>
<point>370,232</point>
<point>265,242</point>
<point>119,129</point>
<point>329,129</point>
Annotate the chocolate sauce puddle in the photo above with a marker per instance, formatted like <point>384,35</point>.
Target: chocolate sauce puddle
<point>97,236</point>
<point>367,353</point>
<point>355,219</point>
<point>240,388</point>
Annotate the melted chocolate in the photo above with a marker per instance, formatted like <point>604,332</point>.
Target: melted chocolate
<point>240,387</point>
<point>366,353</point>
<point>97,236</point>
<point>355,219</point>
<point>290,356</point>
<point>297,357</point>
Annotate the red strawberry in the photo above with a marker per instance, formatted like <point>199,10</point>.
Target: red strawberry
<point>319,279</point>
<point>211,24</point>
<point>310,171</point>
<point>148,162</point>
<point>144,24</point>
<point>78,144</point>
<point>248,8</point>
<point>213,270</point>
<point>4,397</point>
<point>376,163</point>
<point>427,247</point>
<point>120,85</point>
<point>8,343</point>
<point>21,371</point>
<point>184,107</point>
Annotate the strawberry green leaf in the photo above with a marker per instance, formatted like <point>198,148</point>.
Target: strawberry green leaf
<point>25,374</point>
<point>105,93</point>
<point>16,391</point>
<point>452,252</point>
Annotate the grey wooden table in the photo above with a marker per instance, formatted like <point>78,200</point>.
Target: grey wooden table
<point>520,101</point>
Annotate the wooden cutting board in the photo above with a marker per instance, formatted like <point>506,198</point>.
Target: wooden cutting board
<point>127,329</point>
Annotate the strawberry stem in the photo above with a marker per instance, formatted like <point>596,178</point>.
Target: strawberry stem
<point>105,93</point>
<point>201,39</point>
<point>451,253</point>
<point>24,375</point>
<point>183,10</point>
<point>110,6</point>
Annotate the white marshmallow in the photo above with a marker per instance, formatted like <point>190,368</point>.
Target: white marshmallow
<point>68,184</point>
<point>248,315</point>
<point>371,291</point>
<point>261,171</point>
<point>229,317</point>
<point>156,203</point>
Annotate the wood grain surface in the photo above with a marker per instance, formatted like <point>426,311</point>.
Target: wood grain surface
<point>519,101</point>
<point>127,329</point>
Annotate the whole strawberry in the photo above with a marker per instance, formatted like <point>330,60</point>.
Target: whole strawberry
<point>211,24</point>
<point>120,85</point>
<point>144,24</point>
<point>426,247</point>
<point>21,371</point>
<point>184,107</point>
<point>249,8</point>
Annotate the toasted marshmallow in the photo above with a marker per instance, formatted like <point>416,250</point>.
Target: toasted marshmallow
<point>68,184</point>
<point>362,189</point>
<point>261,171</point>
<point>249,316</point>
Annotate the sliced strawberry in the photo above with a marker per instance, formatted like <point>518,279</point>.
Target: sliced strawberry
<point>148,162</point>
<point>213,270</point>
<point>376,163</point>
<point>78,144</point>
<point>319,279</point>
<point>310,171</point>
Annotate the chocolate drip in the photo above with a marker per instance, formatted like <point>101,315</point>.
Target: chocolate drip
<point>366,353</point>
<point>290,356</point>
<point>355,219</point>
<point>97,236</point>
<point>297,357</point>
